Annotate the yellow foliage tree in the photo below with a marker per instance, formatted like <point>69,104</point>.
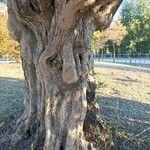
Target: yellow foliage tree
<point>8,47</point>
<point>115,33</point>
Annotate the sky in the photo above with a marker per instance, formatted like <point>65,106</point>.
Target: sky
<point>3,7</point>
<point>116,17</point>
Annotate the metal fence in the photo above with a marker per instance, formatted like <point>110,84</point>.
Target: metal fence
<point>124,58</point>
<point>7,60</point>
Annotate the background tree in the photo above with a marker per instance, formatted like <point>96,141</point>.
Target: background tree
<point>114,36</point>
<point>96,42</point>
<point>135,15</point>
<point>134,18</point>
<point>55,40</point>
<point>110,39</point>
<point>8,47</point>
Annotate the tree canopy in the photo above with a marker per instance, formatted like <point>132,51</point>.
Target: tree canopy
<point>132,34</point>
<point>8,47</point>
<point>135,15</point>
<point>113,35</point>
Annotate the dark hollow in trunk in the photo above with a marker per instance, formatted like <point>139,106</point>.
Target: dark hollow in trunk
<point>60,108</point>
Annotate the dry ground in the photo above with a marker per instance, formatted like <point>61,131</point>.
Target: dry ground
<point>124,100</point>
<point>125,103</point>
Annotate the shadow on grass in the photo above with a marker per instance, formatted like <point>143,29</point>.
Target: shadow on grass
<point>11,97</point>
<point>130,122</point>
<point>126,80</point>
<point>128,118</point>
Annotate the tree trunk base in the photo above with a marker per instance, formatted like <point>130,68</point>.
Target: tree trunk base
<point>96,132</point>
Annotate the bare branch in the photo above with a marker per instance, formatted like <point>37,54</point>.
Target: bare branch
<point>103,12</point>
<point>65,21</point>
<point>20,17</point>
<point>68,14</point>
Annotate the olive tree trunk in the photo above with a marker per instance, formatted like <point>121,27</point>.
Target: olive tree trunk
<point>54,35</point>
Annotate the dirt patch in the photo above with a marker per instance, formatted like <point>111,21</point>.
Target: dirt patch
<point>125,104</point>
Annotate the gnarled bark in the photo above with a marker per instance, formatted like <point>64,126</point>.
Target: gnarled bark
<point>55,50</point>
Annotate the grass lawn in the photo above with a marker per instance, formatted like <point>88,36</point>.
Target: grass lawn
<point>125,103</point>
<point>11,89</point>
<point>123,94</point>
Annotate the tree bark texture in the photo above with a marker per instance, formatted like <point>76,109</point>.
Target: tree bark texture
<point>55,49</point>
